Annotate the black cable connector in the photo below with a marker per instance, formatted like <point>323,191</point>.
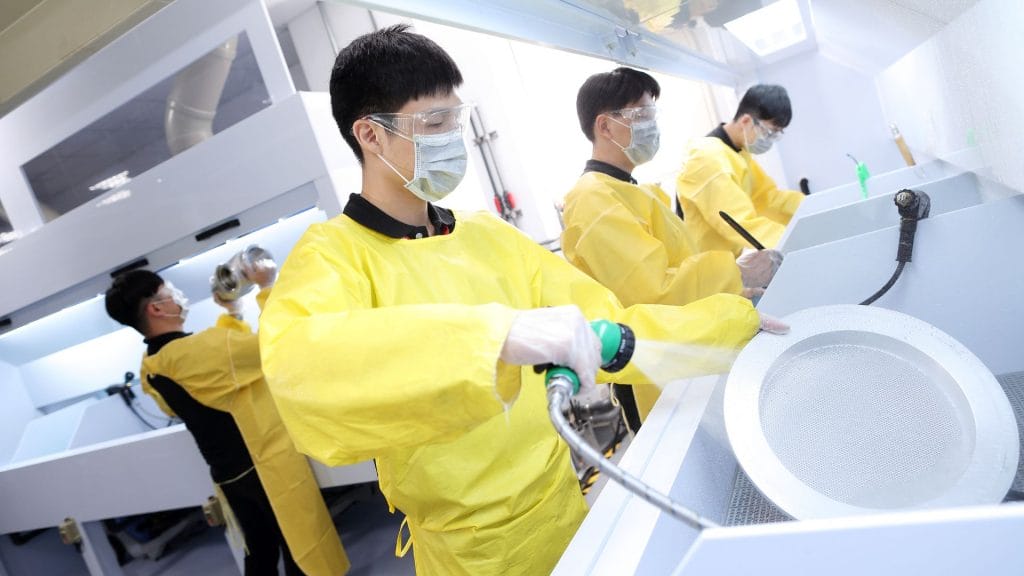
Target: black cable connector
<point>913,206</point>
<point>125,392</point>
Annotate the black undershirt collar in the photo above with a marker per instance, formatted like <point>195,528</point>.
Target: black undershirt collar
<point>606,168</point>
<point>154,344</point>
<point>366,214</point>
<point>722,135</point>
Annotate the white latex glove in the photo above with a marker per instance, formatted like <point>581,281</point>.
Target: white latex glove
<point>751,293</point>
<point>262,272</point>
<point>233,307</point>
<point>758,267</point>
<point>773,325</point>
<point>558,335</point>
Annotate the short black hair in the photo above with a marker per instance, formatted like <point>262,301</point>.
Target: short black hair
<point>609,91</point>
<point>125,297</point>
<point>381,71</point>
<point>766,102</point>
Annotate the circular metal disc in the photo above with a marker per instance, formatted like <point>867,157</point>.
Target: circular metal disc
<point>861,409</point>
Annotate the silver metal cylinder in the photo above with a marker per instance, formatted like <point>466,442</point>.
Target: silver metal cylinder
<point>229,280</point>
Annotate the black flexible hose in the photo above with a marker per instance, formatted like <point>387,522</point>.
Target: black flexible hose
<point>139,416</point>
<point>913,206</point>
<point>881,291</point>
<point>559,391</point>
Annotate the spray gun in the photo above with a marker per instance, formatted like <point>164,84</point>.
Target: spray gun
<point>913,205</point>
<point>617,346</point>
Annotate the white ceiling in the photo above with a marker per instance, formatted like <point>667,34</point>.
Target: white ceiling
<point>869,35</point>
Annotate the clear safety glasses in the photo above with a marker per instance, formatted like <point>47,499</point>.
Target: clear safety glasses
<point>768,131</point>
<point>638,114</point>
<point>426,122</point>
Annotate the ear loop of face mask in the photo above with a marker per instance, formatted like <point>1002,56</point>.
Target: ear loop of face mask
<point>620,123</point>
<point>434,177</point>
<point>178,298</point>
<point>385,160</point>
<point>646,150</point>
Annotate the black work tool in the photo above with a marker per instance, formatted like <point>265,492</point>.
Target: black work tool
<point>741,231</point>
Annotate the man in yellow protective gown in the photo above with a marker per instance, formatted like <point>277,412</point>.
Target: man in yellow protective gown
<point>625,235</point>
<point>213,382</point>
<point>404,332</point>
<point>720,175</point>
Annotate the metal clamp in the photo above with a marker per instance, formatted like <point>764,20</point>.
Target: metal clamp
<point>69,532</point>
<point>213,511</point>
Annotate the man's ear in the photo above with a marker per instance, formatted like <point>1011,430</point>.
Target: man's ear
<point>150,309</point>
<point>368,135</point>
<point>601,127</point>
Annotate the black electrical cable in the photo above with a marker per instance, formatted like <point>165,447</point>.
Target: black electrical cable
<point>139,416</point>
<point>913,206</point>
<point>126,394</point>
<point>881,291</point>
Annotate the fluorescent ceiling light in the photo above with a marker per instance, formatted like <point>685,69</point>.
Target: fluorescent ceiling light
<point>771,28</point>
<point>119,179</point>
<point>115,197</point>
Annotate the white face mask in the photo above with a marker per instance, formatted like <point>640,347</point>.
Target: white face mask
<point>644,139</point>
<point>440,165</point>
<point>179,298</point>
<point>762,143</point>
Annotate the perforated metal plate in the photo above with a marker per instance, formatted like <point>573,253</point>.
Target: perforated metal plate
<point>862,409</point>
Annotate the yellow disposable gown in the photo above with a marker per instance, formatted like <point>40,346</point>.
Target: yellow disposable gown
<point>717,178</point>
<point>628,238</point>
<point>220,368</point>
<point>385,348</point>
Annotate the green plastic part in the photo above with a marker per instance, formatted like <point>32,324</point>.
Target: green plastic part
<point>610,335</point>
<point>862,178</point>
<point>566,373</point>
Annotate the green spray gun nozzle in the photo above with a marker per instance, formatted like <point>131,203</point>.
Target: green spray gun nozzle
<point>617,345</point>
<point>862,176</point>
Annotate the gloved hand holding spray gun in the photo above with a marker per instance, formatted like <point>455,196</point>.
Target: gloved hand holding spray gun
<point>559,340</point>
<point>617,343</point>
<point>574,348</point>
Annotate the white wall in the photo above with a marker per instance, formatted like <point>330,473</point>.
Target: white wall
<point>836,111</point>
<point>15,410</point>
<point>84,368</point>
<point>960,95</point>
